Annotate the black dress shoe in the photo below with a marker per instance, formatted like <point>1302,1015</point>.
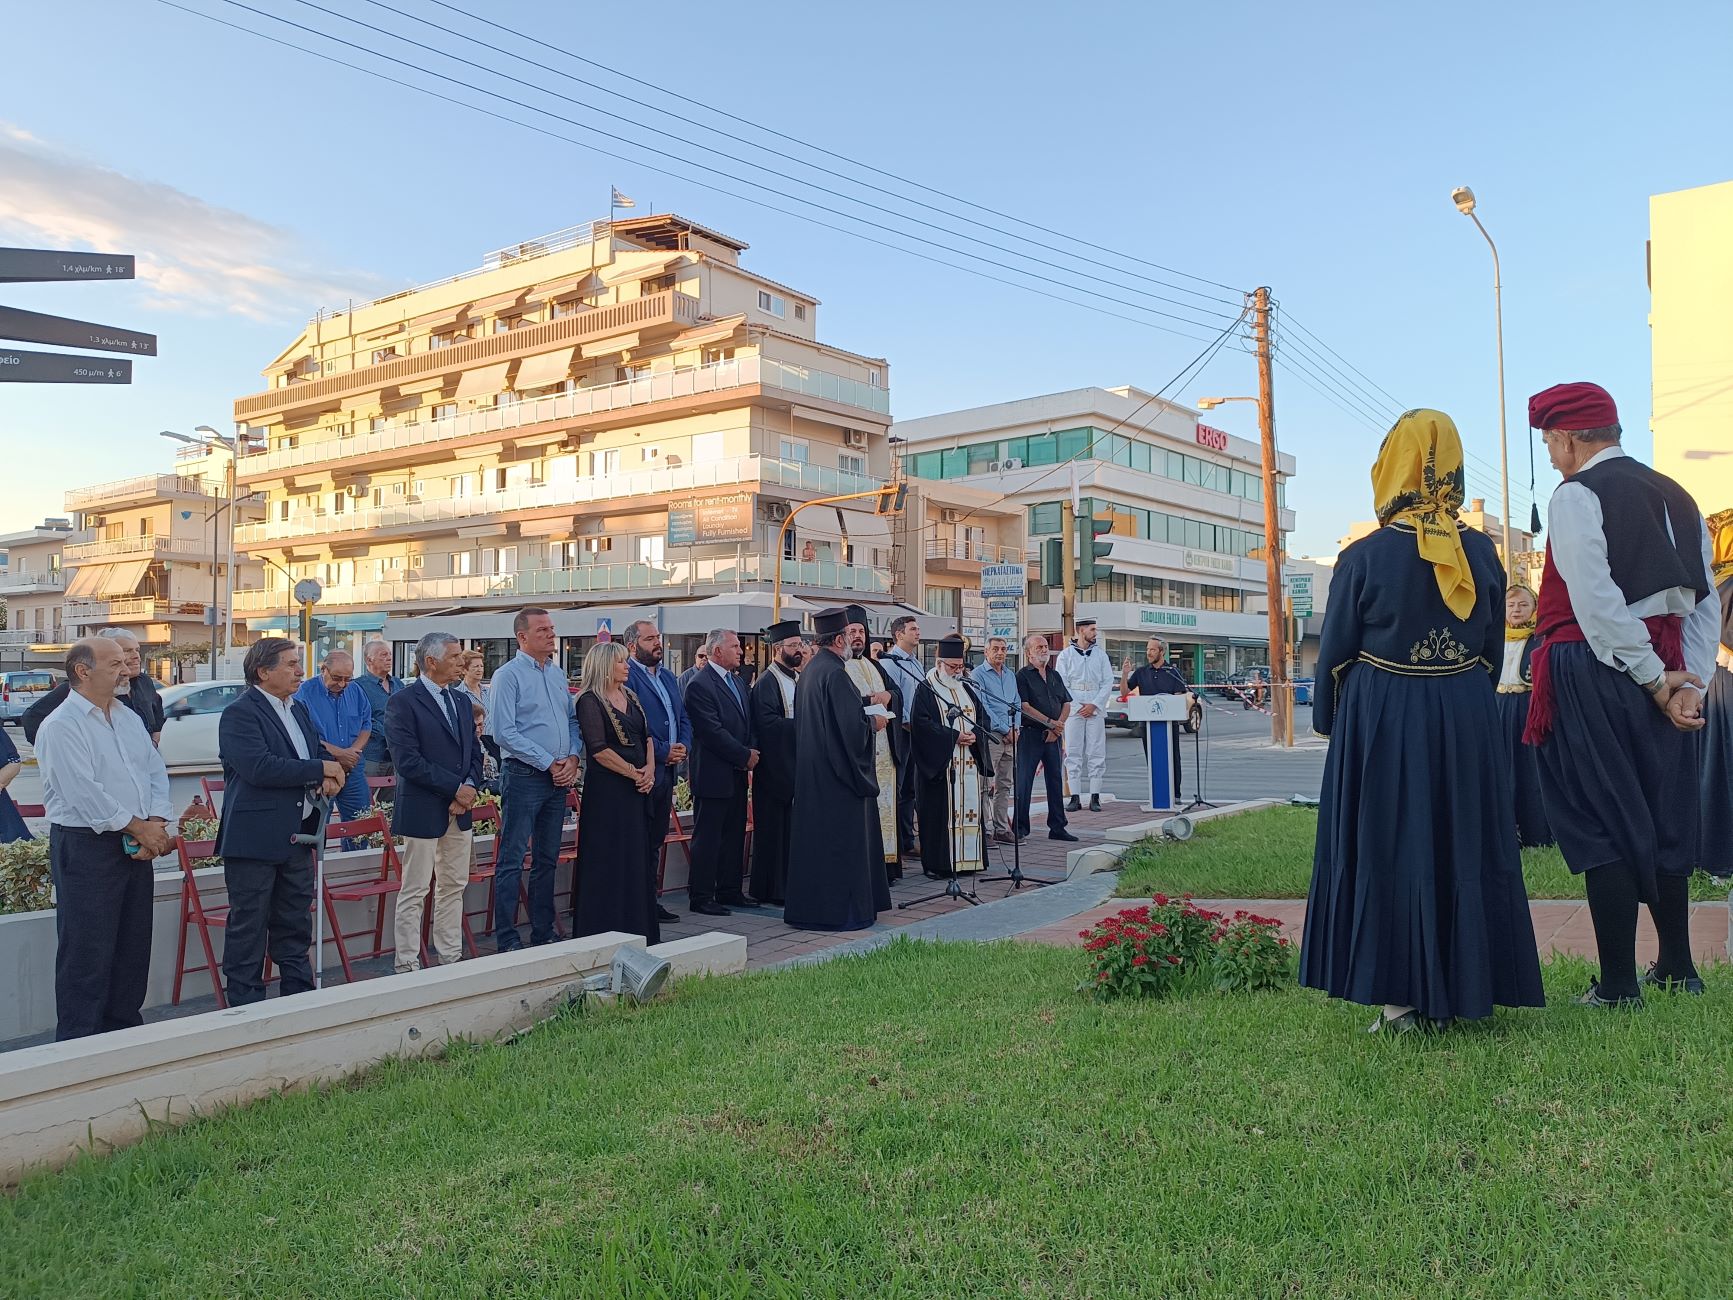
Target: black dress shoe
<point>1692,984</point>
<point>1061,835</point>
<point>1593,998</point>
<point>1406,1023</point>
<point>737,900</point>
<point>1094,803</point>
<point>1074,805</point>
<point>663,914</point>
<point>710,909</point>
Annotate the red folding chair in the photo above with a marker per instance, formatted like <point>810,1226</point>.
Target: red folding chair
<point>376,784</point>
<point>212,786</point>
<point>194,913</point>
<point>482,817</point>
<point>31,811</point>
<point>679,835</point>
<point>388,882</point>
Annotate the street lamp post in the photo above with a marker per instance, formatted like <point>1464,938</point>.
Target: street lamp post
<point>211,439</point>
<point>1463,197</point>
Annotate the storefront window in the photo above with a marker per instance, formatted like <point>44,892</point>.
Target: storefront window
<point>495,654</point>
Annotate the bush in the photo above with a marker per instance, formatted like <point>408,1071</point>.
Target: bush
<point>24,879</point>
<point>1174,946</point>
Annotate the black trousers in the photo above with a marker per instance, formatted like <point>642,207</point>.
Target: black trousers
<point>102,919</point>
<point>772,835</point>
<point>908,834</point>
<point>658,809</point>
<point>270,914</point>
<point>1035,750</point>
<point>718,847</point>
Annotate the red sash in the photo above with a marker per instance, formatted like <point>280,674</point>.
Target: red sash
<point>1556,624</point>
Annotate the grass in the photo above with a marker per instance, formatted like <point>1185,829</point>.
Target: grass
<point>944,1121</point>
<point>1268,854</point>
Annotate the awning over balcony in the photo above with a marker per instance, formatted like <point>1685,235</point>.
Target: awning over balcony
<point>106,581</point>
<point>561,527</point>
<point>608,346</point>
<point>542,369</point>
<point>818,524</point>
<point>711,333</point>
<point>865,526</point>
<point>483,380</point>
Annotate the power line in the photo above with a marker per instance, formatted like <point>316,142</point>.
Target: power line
<point>693,162</point>
<point>777,153</point>
<point>663,171</point>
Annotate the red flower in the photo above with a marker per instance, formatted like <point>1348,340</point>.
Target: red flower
<point>1140,960</point>
<point>1158,930</point>
<point>1172,959</point>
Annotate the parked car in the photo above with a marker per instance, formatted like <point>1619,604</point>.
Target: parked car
<point>21,688</point>
<point>1116,714</point>
<point>189,729</point>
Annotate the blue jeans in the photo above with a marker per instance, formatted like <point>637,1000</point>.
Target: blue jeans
<point>535,818</point>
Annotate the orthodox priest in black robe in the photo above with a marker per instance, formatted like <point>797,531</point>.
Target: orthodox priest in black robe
<point>836,875</point>
<point>948,732</point>
<point>773,778</point>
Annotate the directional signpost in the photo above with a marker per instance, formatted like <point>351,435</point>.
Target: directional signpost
<point>19,366</point>
<point>1300,595</point>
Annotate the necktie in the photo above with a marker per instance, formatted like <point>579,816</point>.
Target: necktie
<point>734,686</point>
<point>451,712</point>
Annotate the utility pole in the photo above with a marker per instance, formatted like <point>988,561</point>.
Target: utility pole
<point>1068,544</point>
<point>1281,690</point>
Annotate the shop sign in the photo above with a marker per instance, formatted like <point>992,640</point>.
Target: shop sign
<point>1004,580</point>
<point>728,517</point>
<point>1210,562</point>
<point>1214,439</point>
<point>1165,618</point>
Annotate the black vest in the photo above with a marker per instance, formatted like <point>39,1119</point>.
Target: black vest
<point>1637,506</point>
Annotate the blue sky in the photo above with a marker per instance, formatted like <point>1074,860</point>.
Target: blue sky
<point>1311,148</point>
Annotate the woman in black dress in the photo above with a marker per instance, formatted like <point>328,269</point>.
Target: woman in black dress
<point>1417,903</point>
<point>1515,683</point>
<point>613,889</point>
<point>1717,833</point>
<point>12,825</point>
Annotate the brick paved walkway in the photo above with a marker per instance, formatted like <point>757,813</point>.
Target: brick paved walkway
<point>1559,925</point>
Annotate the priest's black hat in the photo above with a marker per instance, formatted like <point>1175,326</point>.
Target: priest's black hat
<point>857,614</point>
<point>778,632</point>
<point>953,647</point>
<point>828,622</point>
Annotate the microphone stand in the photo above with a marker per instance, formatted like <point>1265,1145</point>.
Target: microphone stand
<point>953,887</point>
<point>1015,875</point>
<point>1197,799</point>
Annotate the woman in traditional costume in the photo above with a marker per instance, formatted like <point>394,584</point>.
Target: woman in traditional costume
<point>1717,852</point>
<point>1417,903</point>
<point>1515,683</point>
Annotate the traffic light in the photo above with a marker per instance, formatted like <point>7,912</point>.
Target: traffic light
<point>891,498</point>
<point>1053,562</point>
<point>1092,554</point>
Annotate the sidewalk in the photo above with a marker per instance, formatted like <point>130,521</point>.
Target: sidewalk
<point>1560,925</point>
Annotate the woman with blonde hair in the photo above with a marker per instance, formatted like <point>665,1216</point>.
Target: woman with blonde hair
<point>1417,903</point>
<point>612,888</point>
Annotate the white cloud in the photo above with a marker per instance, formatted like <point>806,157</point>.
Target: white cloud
<point>192,256</point>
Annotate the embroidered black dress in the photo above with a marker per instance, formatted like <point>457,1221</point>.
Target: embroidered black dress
<point>1717,742</point>
<point>613,890</point>
<point>1417,897</point>
<point>1514,689</point>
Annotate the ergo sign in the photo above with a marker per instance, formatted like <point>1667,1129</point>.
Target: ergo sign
<point>1214,439</point>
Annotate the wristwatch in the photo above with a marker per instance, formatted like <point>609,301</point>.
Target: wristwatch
<point>1654,687</point>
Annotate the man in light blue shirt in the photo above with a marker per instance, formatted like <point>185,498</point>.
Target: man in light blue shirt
<point>537,731</point>
<point>996,683</point>
<point>345,720</point>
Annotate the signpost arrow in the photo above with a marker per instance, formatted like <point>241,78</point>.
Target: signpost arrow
<point>45,264</point>
<point>18,366</point>
<point>39,327</point>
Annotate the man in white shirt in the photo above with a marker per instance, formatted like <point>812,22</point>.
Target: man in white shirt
<point>1087,674</point>
<point>1628,621</point>
<point>104,784</point>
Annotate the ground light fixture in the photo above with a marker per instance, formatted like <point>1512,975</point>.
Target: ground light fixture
<point>638,976</point>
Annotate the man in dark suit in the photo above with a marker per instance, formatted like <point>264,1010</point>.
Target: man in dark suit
<point>431,730</point>
<point>659,695</point>
<point>271,769</point>
<point>773,782</point>
<point>722,755</point>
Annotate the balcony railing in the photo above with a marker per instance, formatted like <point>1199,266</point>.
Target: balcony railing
<point>980,552</point>
<point>729,472</point>
<point>23,636</point>
<point>133,609</point>
<point>669,308</point>
<point>152,544</point>
<point>663,386</point>
<point>139,487</point>
<point>658,579</point>
<point>31,584</point>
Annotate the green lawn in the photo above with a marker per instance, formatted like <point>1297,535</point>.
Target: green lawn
<point>1268,854</point>
<point>944,1121</point>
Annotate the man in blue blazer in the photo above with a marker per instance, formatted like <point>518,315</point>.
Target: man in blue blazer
<point>722,755</point>
<point>271,769</point>
<point>430,727</point>
<point>658,693</point>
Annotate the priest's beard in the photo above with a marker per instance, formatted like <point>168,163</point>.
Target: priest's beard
<point>791,662</point>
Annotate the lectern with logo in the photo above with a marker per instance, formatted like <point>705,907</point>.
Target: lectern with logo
<point>1159,714</point>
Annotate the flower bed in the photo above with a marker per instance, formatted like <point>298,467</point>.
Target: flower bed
<point>1171,945</point>
<point>24,879</point>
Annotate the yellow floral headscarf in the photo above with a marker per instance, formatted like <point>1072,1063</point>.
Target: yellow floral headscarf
<point>1418,480</point>
<point>1721,536</point>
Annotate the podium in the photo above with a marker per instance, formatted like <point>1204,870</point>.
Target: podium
<point>1159,715</point>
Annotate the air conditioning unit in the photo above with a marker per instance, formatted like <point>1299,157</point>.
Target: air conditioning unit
<point>950,516</point>
<point>1011,462</point>
<point>994,466</point>
<point>355,491</point>
<point>775,511</point>
<point>855,438</point>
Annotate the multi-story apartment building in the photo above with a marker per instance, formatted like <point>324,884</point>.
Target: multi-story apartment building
<point>1186,503</point>
<point>947,535</point>
<point>1691,387</point>
<point>34,590</point>
<point>1475,514</point>
<point>152,556</point>
<point>610,421</point>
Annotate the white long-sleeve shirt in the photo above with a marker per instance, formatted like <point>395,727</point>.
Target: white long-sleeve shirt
<point>99,771</point>
<point>1088,676</point>
<point>1613,629</point>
